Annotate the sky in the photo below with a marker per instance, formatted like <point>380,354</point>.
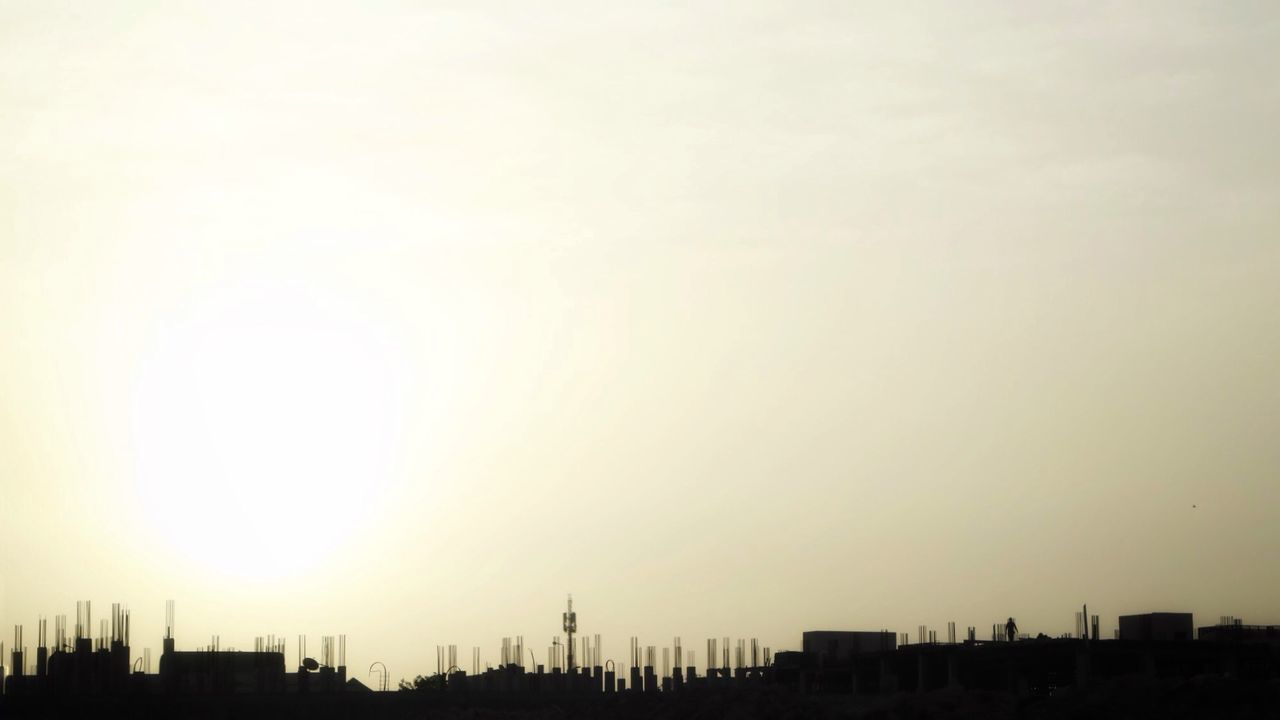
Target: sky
<point>404,320</point>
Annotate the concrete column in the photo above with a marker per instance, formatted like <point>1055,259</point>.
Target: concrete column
<point>1083,665</point>
<point>327,677</point>
<point>888,677</point>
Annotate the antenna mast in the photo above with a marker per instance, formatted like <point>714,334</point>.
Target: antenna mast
<point>570,627</point>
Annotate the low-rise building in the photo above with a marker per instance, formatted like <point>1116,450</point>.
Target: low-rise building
<point>838,646</point>
<point>1157,626</point>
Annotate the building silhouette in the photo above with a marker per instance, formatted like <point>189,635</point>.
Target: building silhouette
<point>1157,626</point>
<point>78,671</point>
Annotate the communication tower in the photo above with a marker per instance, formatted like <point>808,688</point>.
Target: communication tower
<point>570,627</point>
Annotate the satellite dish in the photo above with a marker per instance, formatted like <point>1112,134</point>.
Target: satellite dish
<point>310,664</point>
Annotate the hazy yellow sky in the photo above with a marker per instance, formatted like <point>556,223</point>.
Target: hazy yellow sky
<point>405,319</point>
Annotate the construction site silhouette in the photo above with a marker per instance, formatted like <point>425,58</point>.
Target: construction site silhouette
<point>1154,660</point>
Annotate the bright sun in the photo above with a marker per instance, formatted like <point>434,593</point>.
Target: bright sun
<point>266,425</point>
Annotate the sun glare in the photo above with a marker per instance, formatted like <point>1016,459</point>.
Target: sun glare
<point>266,427</point>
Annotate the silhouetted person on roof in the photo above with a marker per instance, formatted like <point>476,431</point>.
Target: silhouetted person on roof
<point>1011,630</point>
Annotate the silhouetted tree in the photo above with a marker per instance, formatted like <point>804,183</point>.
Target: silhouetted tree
<point>423,683</point>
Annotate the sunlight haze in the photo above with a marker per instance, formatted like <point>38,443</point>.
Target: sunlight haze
<point>404,320</point>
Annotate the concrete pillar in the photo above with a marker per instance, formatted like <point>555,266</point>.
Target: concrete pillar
<point>888,676</point>
<point>610,681</point>
<point>327,677</point>
<point>457,682</point>
<point>953,671</point>
<point>1083,665</point>
<point>922,671</point>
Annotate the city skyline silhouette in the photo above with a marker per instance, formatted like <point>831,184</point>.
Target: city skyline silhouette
<point>74,670</point>
<point>401,321</point>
